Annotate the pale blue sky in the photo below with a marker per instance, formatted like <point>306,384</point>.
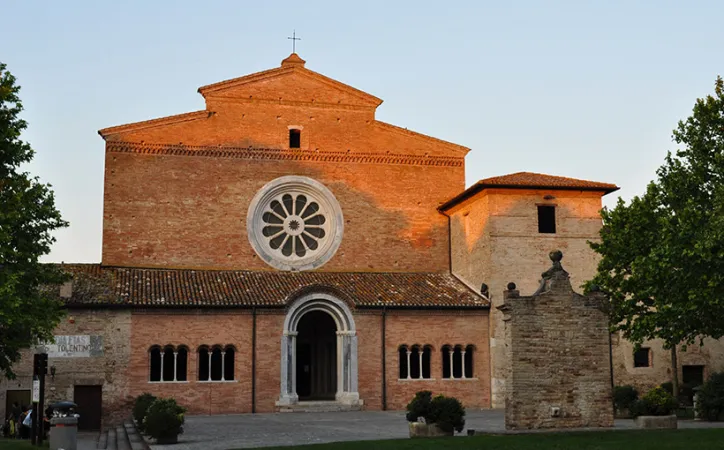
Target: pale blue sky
<point>582,89</point>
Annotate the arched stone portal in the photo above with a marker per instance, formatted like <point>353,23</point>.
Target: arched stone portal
<point>319,307</point>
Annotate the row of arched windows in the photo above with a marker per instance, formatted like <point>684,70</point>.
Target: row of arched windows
<point>170,363</point>
<point>457,361</point>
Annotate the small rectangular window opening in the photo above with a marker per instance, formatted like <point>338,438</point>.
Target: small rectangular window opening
<point>295,138</point>
<point>546,219</point>
<point>642,357</point>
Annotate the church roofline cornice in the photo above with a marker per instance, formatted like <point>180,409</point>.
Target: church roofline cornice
<point>404,131</point>
<point>280,71</point>
<point>306,104</point>
<point>186,117</point>
<point>265,154</point>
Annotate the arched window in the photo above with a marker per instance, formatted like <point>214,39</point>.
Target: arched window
<point>229,353</point>
<point>182,362</point>
<point>426,353</point>
<point>168,371</point>
<point>468,360</point>
<point>168,363</point>
<point>155,363</point>
<point>204,362</point>
<point>415,362</point>
<point>457,362</point>
<point>404,367</point>
<point>216,363</point>
<point>446,353</point>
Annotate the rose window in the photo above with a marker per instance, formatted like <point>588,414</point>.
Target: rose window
<point>295,223</point>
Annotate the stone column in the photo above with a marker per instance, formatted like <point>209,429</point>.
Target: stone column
<point>163,353</point>
<point>409,367</point>
<point>419,355</point>
<point>462,359</point>
<point>288,388</point>
<point>211,353</point>
<point>347,364</point>
<point>223,377</point>
<point>175,365</point>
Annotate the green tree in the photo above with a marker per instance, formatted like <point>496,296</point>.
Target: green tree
<point>29,310</point>
<point>662,254</point>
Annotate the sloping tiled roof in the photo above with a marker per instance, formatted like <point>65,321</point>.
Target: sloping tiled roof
<point>132,287</point>
<point>530,180</point>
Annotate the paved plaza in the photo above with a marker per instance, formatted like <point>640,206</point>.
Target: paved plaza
<point>267,430</point>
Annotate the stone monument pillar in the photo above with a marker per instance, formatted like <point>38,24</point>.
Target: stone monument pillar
<point>558,348</point>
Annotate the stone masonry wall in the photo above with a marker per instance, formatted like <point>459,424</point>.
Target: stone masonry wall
<point>710,356</point>
<point>109,370</point>
<point>495,240</point>
<point>558,346</point>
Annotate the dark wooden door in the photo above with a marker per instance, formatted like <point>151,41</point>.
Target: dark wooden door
<point>90,405</point>
<point>16,395</point>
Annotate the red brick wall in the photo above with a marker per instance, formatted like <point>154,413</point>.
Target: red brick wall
<point>176,211</point>
<point>194,330</point>
<point>235,328</point>
<point>190,211</point>
<point>435,329</point>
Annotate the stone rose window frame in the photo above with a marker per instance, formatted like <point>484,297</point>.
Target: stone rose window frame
<point>295,223</point>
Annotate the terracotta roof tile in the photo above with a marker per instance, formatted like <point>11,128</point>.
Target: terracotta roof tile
<point>132,287</point>
<point>530,180</point>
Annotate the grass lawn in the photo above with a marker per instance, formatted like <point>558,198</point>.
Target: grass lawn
<point>18,444</point>
<point>708,439</point>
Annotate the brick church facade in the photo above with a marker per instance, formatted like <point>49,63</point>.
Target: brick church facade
<point>283,250</point>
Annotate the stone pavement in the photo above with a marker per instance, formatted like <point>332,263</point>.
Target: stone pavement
<point>224,432</point>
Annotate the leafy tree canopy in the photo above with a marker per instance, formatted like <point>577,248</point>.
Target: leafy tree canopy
<point>28,310</point>
<point>662,254</point>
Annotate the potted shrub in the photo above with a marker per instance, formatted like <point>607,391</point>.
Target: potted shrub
<point>623,397</point>
<point>140,408</point>
<point>655,410</point>
<point>164,421</point>
<point>438,416</point>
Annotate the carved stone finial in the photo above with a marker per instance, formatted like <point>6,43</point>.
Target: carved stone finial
<point>556,256</point>
<point>484,289</point>
<point>555,272</point>
<point>511,286</point>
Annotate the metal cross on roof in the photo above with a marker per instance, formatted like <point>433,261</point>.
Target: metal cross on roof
<point>294,39</point>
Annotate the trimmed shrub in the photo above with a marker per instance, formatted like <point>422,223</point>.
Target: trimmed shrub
<point>445,412</point>
<point>140,407</point>
<point>657,402</point>
<point>710,402</point>
<point>419,406</point>
<point>623,396</point>
<point>164,420</point>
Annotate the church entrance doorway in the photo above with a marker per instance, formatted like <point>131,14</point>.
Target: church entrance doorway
<point>317,357</point>
<point>319,352</point>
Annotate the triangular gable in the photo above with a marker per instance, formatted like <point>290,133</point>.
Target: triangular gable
<point>291,83</point>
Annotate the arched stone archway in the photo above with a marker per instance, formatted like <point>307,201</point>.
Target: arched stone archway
<point>347,386</point>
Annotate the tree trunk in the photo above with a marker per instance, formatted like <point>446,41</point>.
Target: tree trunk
<point>674,373</point>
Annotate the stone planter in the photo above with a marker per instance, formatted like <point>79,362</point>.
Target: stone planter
<point>419,429</point>
<point>656,422</point>
<point>166,440</point>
